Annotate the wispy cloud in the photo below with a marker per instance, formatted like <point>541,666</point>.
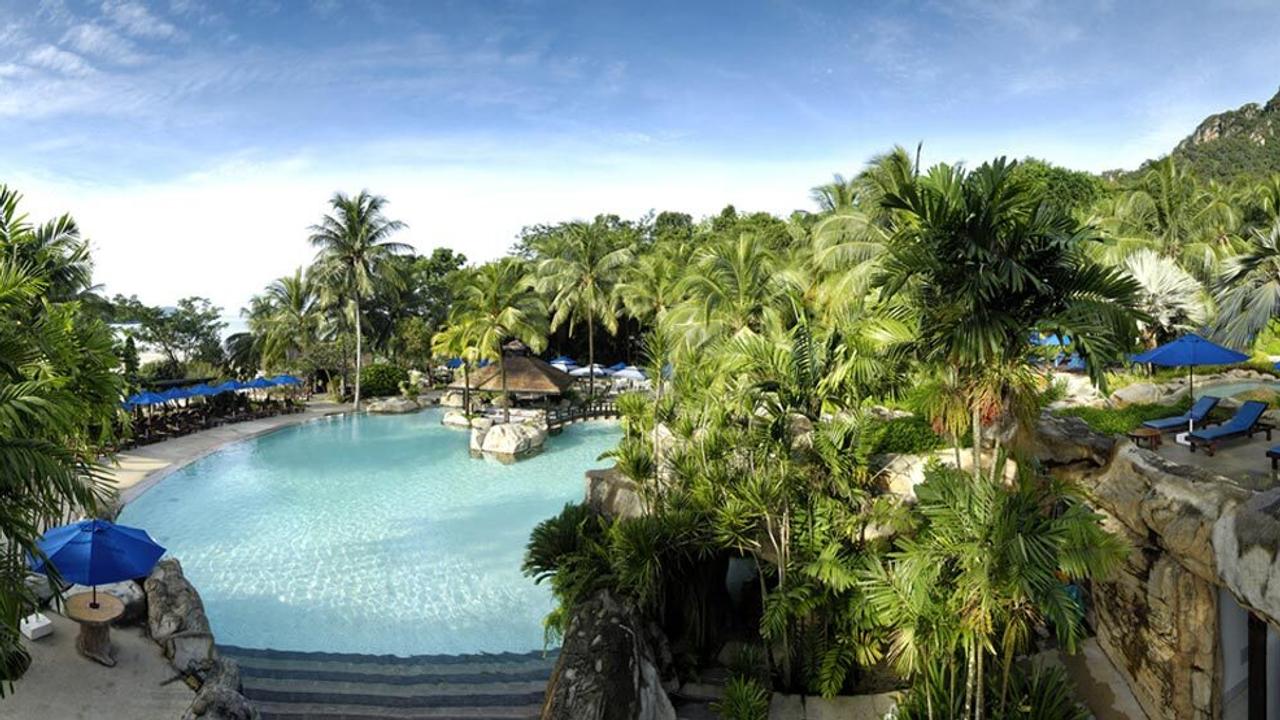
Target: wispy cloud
<point>135,19</point>
<point>96,40</point>
<point>60,61</point>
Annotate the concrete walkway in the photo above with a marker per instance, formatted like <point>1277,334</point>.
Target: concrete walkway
<point>1098,683</point>
<point>138,469</point>
<point>65,686</point>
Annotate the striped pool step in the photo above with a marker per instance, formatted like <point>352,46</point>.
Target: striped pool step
<point>343,686</point>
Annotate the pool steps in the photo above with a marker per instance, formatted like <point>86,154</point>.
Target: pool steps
<point>339,686</point>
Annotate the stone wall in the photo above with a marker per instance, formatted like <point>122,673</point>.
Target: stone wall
<point>1191,532</point>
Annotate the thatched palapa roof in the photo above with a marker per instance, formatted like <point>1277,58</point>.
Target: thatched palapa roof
<point>525,374</point>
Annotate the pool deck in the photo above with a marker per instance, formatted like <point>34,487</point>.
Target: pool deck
<point>137,470</point>
<point>60,684</point>
<point>1242,461</point>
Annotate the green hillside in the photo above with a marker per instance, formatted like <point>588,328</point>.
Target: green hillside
<point>1235,143</point>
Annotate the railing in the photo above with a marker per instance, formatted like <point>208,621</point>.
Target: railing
<point>557,418</point>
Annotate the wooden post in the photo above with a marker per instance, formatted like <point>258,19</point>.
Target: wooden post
<point>1257,668</point>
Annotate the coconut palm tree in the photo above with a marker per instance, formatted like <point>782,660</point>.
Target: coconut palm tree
<point>53,251</point>
<point>497,303</point>
<point>287,318</point>
<point>1248,291</point>
<point>983,259</point>
<point>582,266</point>
<point>353,243</point>
<point>458,340</point>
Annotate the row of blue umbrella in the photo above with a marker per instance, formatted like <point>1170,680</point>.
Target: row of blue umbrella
<point>204,390</point>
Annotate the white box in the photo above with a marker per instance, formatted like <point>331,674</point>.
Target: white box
<point>36,626</point>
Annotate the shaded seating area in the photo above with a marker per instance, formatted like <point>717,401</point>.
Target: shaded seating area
<point>1245,423</point>
<point>1188,420</point>
<point>182,410</point>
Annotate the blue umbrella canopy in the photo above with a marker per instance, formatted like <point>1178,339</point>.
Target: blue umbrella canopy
<point>228,386</point>
<point>286,380</point>
<point>175,394</point>
<point>618,366</point>
<point>630,372</point>
<point>259,383</point>
<point>145,398</point>
<point>1189,351</point>
<point>454,363</point>
<point>201,389</point>
<point>97,552</point>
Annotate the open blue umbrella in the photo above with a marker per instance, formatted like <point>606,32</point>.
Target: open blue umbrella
<point>144,398</point>
<point>201,390</point>
<point>176,394</point>
<point>228,386</point>
<point>1189,351</point>
<point>617,366</point>
<point>97,552</point>
<point>454,363</point>
<point>259,383</point>
<point>286,380</point>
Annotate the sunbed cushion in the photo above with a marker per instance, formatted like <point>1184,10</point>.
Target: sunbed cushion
<point>1245,418</point>
<point>1197,414</point>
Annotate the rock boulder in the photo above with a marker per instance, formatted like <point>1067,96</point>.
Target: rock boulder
<point>176,618</point>
<point>509,442</point>
<point>219,696</point>
<point>1141,393</point>
<point>613,494</point>
<point>608,668</point>
<point>455,419</point>
<point>1066,440</point>
<point>395,405</point>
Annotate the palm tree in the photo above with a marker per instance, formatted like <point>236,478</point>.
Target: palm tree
<point>353,245</point>
<point>497,303</point>
<point>1171,299</point>
<point>983,259</point>
<point>581,271</point>
<point>458,340</point>
<point>54,251</point>
<point>839,195</point>
<point>1248,291</point>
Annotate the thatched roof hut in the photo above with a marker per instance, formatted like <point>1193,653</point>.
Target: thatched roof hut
<point>525,376</point>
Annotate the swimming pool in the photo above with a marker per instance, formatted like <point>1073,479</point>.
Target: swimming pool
<point>368,534</point>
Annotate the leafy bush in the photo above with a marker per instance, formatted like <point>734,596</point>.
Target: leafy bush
<point>1116,421</point>
<point>911,434</point>
<point>744,699</point>
<point>1044,693</point>
<point>381,379</point>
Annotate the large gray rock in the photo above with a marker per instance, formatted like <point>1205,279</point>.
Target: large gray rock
<point>176,618</point>
<point>456,419</point>
<point>903,472</point>
<point>613,494</point>
<point>220,695</point>
<point>1066,440</point>
<point>608,668</point>
<point>127,592</point>
<point>395,405</point>
<point>1138,394</point>
<point>511,441</point>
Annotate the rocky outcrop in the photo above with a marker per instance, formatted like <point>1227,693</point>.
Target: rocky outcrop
<point>1067,440</point>
<point>901,473</point>
<point>176,618</point>
<point>455,419</point>
<point>394,405</point>
<point>608,667</point>
<point>219,696</point>
<point>1191,533</point>
<point>127,592</point>
<point>509,442</point>
<point>613,494</point>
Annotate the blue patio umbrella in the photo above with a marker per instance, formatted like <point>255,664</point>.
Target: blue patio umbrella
<point>286,380</point>
<point>176,394</point>
<point>618,366</point>
<point>96,552</point>
<point>454,363</point>
<point>1189,351</point>
<point>228,386</point>
<point>201,390</point>
<point>144,398</point>
<point>259,383</point>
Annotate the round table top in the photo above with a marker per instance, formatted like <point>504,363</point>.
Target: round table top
<point>1144,432</point>
<point>109,608</point>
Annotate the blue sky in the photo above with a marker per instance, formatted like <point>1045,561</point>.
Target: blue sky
<point>215,130</point>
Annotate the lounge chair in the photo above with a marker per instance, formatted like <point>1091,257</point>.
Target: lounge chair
<point>1246,422</point>
<point>1193,417</point>
<point>1274,454</point>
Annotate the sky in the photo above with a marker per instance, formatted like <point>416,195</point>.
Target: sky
<point>196,140</point>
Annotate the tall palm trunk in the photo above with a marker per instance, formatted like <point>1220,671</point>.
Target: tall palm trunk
<point>466,388</point>
<point>358,334</point>
<point>591,358</point>
<point>506,400</point>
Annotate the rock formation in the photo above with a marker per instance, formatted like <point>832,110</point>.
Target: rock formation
<point>394,405</point>
<point>608,667</point>
<point>511,441</point>
<point>176,618</point>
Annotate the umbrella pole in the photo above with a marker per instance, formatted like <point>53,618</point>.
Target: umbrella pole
<point>1191,388</point>
<point>94,602</point>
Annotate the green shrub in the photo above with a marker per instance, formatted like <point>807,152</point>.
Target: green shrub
<point>1117,421</point>
<point>744,699</point>
<point>911,434</point>
<point>381,379</point>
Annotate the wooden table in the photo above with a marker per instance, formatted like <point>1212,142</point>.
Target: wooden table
<point>94,640</point>
<point>1149,438</point>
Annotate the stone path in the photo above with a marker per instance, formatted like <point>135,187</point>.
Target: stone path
<point>329,686</point>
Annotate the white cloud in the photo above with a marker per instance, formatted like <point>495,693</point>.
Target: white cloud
<point>62,61</point>
<point>135,19</point>
<point>93,39</point>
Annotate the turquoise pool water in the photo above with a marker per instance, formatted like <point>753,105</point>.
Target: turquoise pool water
<point>368,534</point>
<point>1236,388</point>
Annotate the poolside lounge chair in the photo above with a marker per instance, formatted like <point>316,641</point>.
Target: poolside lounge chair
<point>1246,422</point>
<point>1193,417</point>
<point>1274,454</point>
